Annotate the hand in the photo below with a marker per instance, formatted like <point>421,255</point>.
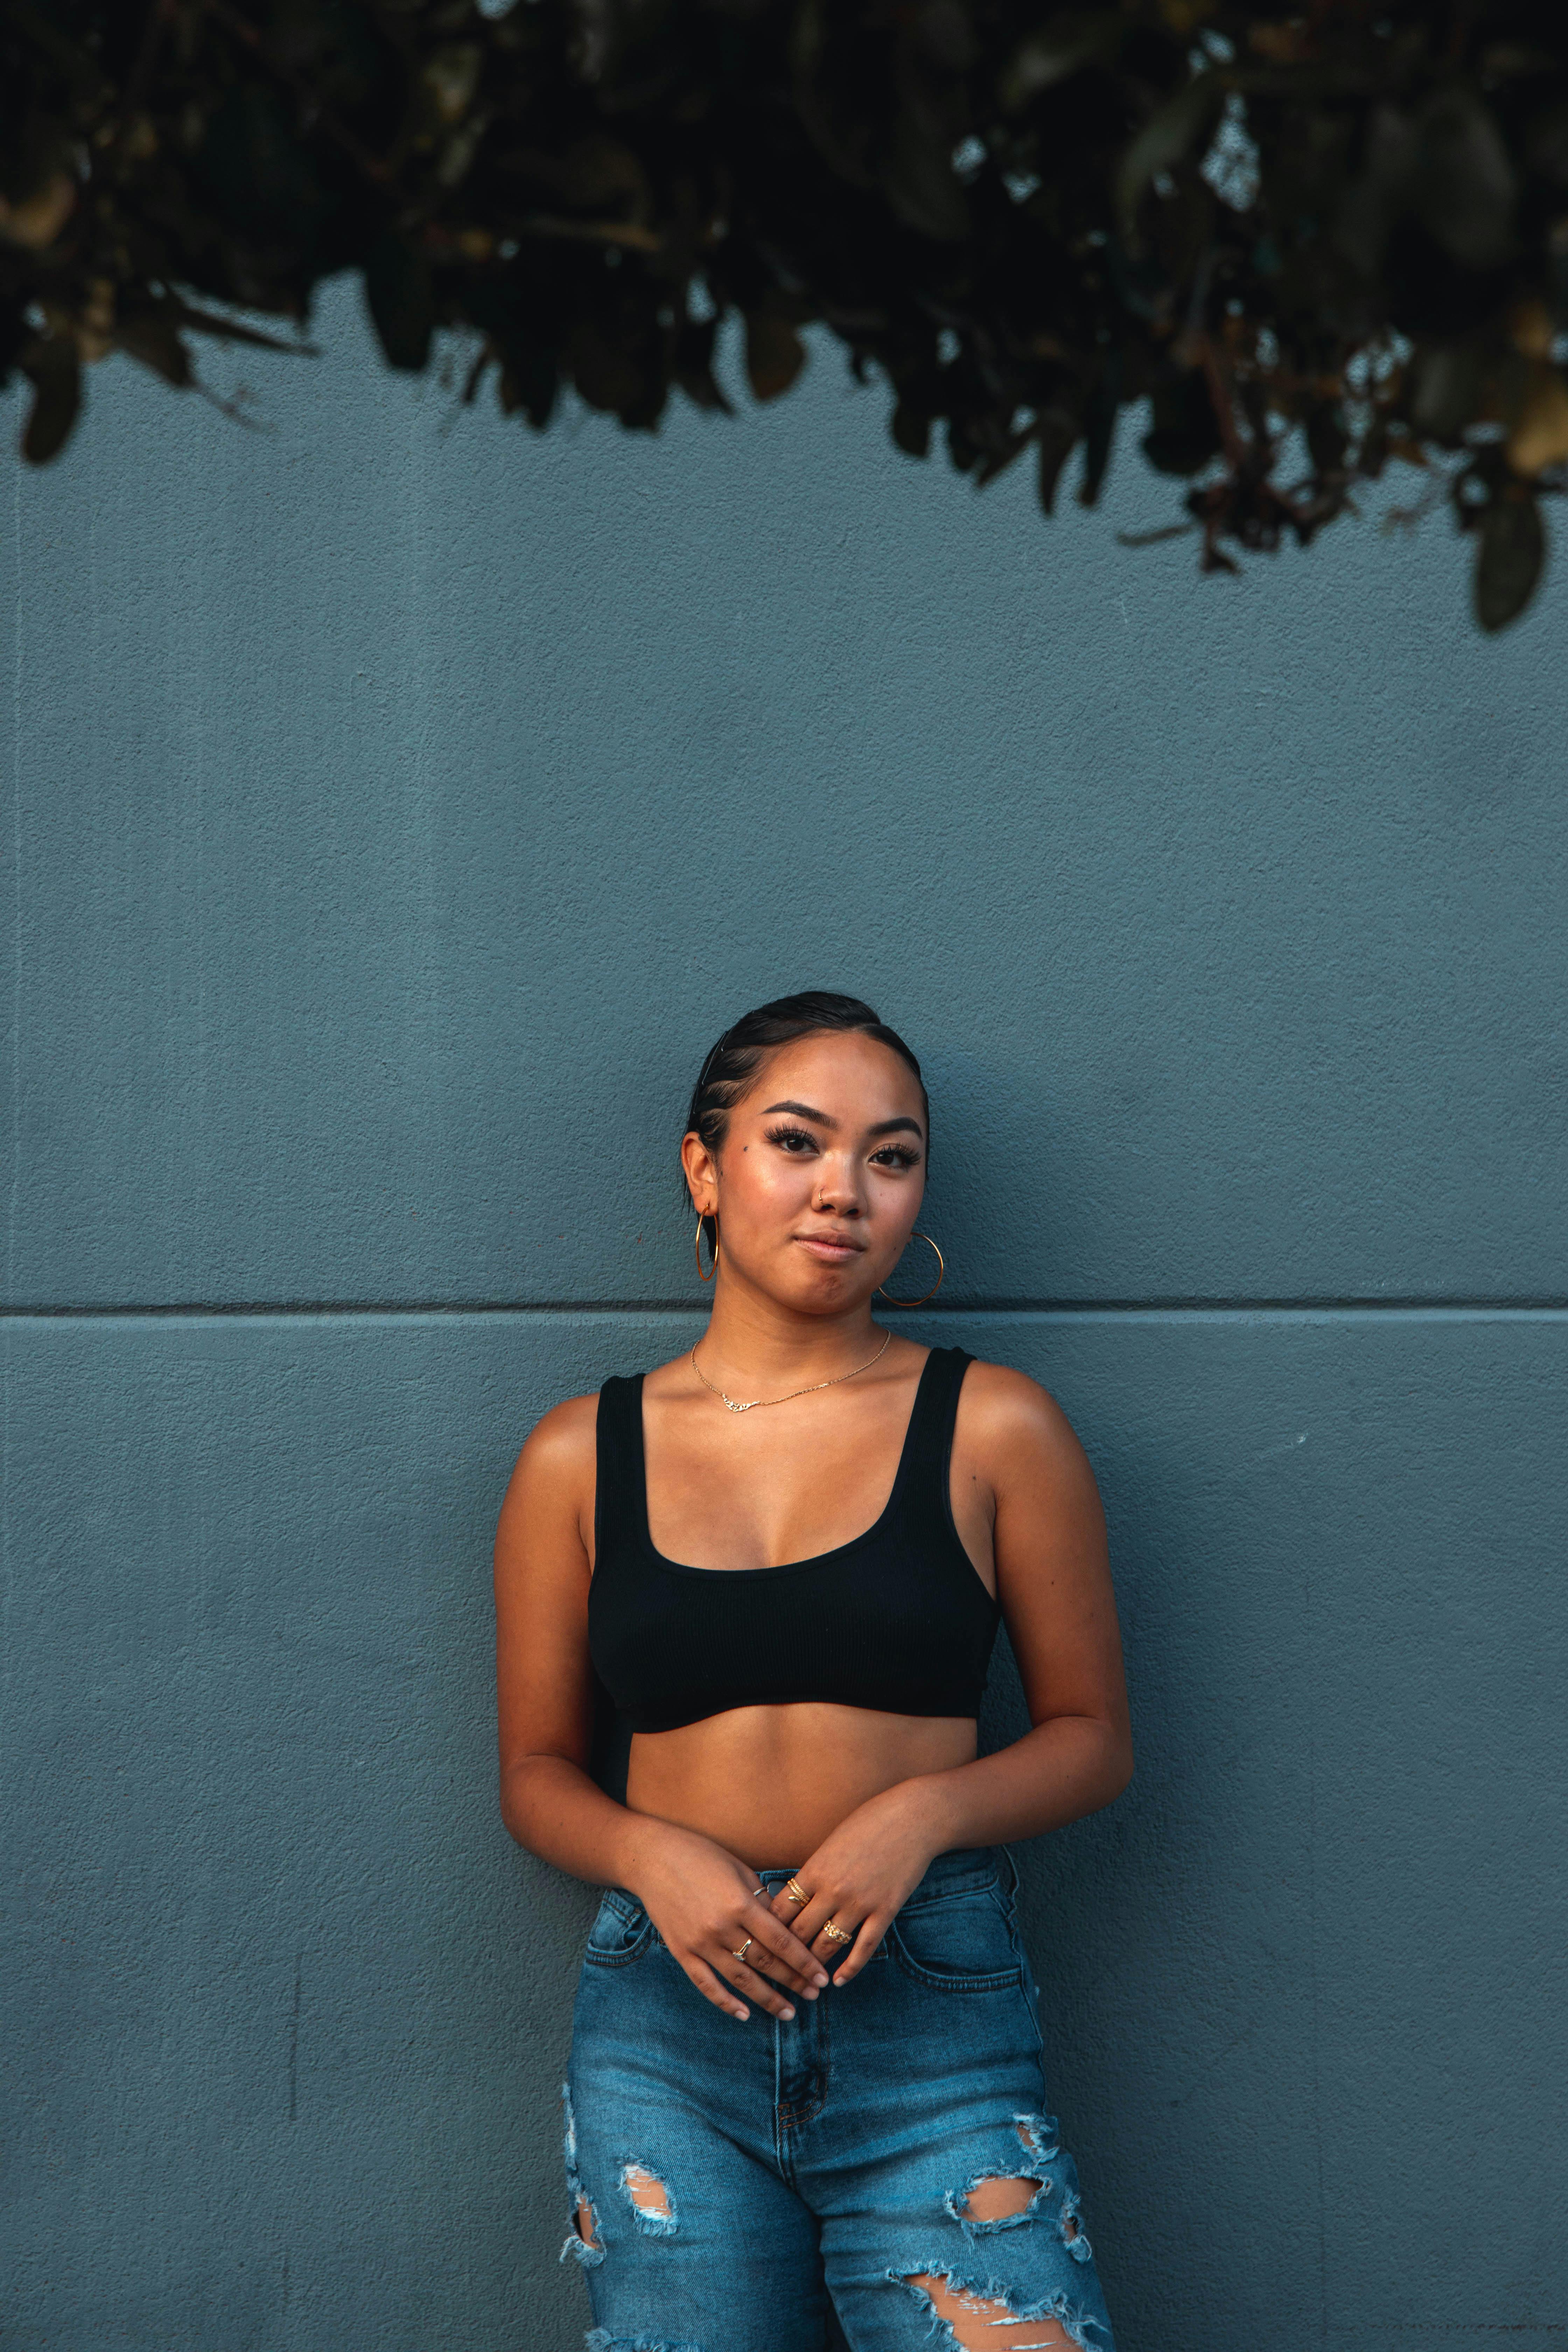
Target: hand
<point>860,1878</point>
<point>706,1904</point>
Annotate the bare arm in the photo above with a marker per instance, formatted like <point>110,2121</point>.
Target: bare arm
<point>700,1898</point>
<point>544,1682</point>
<point>1053,1580</point>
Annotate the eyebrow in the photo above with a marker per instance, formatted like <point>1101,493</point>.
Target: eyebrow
<point>802,1111</point>
<point>883,1126</point>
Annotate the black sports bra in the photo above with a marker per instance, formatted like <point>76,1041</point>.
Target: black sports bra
<point>896,1620</point>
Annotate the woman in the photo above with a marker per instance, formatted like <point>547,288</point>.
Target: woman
<point>805,2067</point>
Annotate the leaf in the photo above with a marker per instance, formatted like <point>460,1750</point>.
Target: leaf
<point>38,220</point>
<point>452,77</point>
<point>1328,443</point>
<point>1099,432</point>
<point>1540,435</point>
<point>1055,54</point>
<point>208,322</point>
<point>910,429</point>
<point>1184,433</point>
<point>775,352</point>
<point>592,174</point>
<point>528,381</point>
<point>398,293</point>
<point>942,29</point>
<point>1463,186</point>
<point>154,341</point>
<point>1444,166</point>
<point>997,460</point>
<point>921,185</point>
<point>1447,389</point>
<point>1156,538</point>
<point>1509,559</point>
<point>599,367</point>
<point>693,365</point>
<point>55,371</point>
<point>1186,121</point>
<point>1057,434</point>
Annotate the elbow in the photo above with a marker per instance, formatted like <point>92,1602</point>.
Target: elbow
<point>1116,1764</point>
<point>515,1807</point>
<point>531,1792</point>
<point>511,1812</point>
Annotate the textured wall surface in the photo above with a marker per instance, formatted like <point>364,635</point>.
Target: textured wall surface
<point>395,808</point>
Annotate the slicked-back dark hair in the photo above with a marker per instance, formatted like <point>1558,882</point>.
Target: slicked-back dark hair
<point>734,1061</point>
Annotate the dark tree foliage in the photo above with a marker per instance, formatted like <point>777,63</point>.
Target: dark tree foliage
<point>1312,240</point>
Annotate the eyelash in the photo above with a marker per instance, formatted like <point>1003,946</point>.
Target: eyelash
<point>900,1154</point>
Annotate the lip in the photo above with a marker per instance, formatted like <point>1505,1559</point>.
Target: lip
<point>831,1248</point>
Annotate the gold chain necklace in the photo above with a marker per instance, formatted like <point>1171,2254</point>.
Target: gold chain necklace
<point>754,1402</point>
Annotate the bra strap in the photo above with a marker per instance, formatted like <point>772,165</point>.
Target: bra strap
<point>619,1469</point>
<point>932,1425</point>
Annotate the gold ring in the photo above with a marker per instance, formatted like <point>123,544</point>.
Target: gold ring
<point>836,1933</point>
<point>796,1892</point>
<point>744,1949</point>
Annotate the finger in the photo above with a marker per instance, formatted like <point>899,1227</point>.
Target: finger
<point>807,1923</point>
<point>845,1914</point>
<point>783,1942</point>
<point>708,1984</point>
<point>868,1937</point>
<point>756,1987</point>
<point>768,1964</point>
<point>751,1941</point>
<point>833,1950</point>
<point>779,1931</point>
<point>785,1906</point>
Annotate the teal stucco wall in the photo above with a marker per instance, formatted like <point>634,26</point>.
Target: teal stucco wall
<point>395,808</point>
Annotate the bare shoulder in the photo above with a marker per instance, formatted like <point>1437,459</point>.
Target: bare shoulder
<point>566,1430</point>
<point>559,1451</point>
<point>1005,1405</point>
<point>1010,1420</point>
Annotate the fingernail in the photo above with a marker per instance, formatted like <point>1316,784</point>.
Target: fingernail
<point>786,2014</point>
<point>820,1982</point>
<point>810,1991</point>
<point>742,2015</point>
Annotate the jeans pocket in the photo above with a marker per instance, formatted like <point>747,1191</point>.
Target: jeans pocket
<point>959,1943</point>
<point>622,1931</point>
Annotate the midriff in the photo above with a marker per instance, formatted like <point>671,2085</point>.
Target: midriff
<point>770,1783</point>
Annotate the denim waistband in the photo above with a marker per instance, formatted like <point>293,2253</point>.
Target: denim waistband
<point>966,1870</point>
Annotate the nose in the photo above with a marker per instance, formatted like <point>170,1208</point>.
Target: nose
<point>838,1191</point>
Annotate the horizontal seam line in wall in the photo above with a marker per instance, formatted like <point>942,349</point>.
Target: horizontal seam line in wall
<point>1064,1309</point>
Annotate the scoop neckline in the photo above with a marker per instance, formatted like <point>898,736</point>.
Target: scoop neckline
<point>782,1566</point>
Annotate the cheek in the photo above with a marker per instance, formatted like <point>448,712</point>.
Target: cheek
<point>767,1185</point>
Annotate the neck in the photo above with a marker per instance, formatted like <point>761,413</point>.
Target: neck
<point>753,1335</point>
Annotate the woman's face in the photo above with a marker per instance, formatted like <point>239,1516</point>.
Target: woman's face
<point>817,1185</point>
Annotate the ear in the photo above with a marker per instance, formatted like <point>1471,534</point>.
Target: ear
<point>701,1171</point>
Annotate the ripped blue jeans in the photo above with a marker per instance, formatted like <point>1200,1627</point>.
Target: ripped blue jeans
<point>807,2185</point>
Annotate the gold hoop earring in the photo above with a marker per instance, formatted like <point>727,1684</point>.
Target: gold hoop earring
<point>936,1285</point>
<point>697,1251</point>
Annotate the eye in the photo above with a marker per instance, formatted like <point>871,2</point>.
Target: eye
<point>796,1141</point>
<point>896,1155</point>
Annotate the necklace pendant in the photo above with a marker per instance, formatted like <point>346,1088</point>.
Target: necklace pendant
<point>737,1408</point>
